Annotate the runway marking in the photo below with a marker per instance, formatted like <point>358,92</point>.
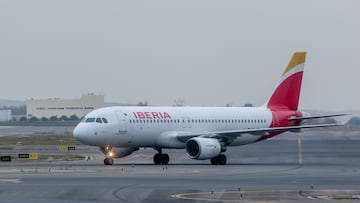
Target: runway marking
<point>335,197</point>
<point>46,170</point>
<point>215,197</point>
<point>14,181</point>
<point>266,195</point>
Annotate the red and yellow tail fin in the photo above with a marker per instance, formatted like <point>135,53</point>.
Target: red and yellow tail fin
<point>287,93</point>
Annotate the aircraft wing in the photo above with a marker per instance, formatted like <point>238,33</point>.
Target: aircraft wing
<point>184,136</point>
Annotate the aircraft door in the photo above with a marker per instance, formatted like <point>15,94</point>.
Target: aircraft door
<point>122,122</point>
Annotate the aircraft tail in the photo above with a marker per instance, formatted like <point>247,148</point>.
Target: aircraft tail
<point>287,93</point>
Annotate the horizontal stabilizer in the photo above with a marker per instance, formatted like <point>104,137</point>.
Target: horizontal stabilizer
<point>184,136</point>
<point>266,131</point>
<point>316,117</point>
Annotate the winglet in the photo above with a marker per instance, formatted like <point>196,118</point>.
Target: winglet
<point>287,93</point>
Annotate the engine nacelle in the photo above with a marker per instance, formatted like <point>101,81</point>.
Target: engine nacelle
<point>203,148</point>
<point>117,152</point>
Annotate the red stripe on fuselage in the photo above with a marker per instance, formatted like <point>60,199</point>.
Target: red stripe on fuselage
<point>281,119</point>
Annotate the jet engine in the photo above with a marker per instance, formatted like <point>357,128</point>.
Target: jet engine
<point>117,152</point>
<point>203,148</point>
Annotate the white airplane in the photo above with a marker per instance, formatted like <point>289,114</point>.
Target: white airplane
<point>205,132</point>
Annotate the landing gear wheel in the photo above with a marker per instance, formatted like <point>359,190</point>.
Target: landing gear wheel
<point>222,159</point>
<point>157,159</point>
<point>108,161</point>
<point>218,160</point>
<point>214,161</point>
<point>161,159</point>
<point>165,159</point>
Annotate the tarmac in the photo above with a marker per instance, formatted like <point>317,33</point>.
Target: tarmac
<point>268,171</point>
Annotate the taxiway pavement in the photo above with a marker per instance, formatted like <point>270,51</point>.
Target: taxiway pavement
<point>262,172</point>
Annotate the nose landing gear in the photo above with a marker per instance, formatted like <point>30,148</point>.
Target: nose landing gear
<point>109,154</point>
<point>108,161</point>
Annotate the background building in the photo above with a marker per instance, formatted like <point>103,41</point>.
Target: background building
<point>48,108</point>
<point>5,115</point>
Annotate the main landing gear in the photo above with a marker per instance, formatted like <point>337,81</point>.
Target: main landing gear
<point>161,158</point>
<point>218,160</point>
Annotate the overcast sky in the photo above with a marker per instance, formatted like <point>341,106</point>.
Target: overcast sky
<point>204,52</point>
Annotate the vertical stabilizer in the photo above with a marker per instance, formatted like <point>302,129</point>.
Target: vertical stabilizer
<point>287,93</point>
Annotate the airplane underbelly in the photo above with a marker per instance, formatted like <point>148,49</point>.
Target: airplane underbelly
<point>244,140</point>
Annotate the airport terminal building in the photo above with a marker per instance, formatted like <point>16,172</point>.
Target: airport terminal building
<point>47,108</point>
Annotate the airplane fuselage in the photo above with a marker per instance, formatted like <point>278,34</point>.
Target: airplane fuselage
<point>152,126</point>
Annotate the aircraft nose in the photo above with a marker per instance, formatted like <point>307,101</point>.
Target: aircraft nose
<point>79,133</point>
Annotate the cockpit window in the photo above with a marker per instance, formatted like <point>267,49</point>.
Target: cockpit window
<point>90,120</point>
<point>98,120</point>
<point>93,120</point>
